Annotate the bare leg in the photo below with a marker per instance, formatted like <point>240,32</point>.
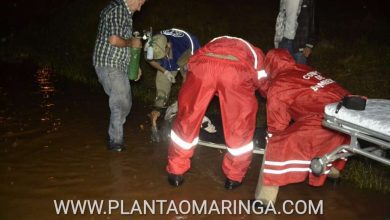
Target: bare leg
<point>154,115</point>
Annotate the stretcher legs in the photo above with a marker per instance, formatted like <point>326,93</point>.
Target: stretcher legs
<point>318,164</point>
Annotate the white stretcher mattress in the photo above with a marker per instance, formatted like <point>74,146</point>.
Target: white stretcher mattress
<point>375,117</point>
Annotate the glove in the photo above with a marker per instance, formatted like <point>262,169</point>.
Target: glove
<point>170,76</point>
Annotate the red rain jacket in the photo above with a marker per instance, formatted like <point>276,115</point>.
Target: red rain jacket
<point>296,98</point>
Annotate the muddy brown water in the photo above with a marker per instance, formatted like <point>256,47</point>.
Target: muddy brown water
<point>52,148</point>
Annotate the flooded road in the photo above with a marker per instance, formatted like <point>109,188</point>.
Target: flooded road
<point>52,148</point>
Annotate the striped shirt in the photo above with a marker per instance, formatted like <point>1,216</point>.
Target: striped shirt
<point>115,19</point>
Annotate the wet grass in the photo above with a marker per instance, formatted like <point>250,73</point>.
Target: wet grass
<point>366,174</point>
<point>354,46</point>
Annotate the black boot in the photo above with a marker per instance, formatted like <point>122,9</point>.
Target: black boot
<point>175,180</point>
<point>115,147</point>
<point>231,184</point>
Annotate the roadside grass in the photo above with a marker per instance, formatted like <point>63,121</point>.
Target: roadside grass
<point>354,50</point>
<point>366,174</point>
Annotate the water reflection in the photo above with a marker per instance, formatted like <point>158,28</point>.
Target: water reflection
<point>44,78</point>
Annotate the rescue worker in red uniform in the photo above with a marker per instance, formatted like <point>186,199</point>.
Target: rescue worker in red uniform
<point>296,97</point>
<point>229,67</point>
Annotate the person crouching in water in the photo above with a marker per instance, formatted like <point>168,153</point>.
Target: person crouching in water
<point>171,50</point>
<point>296,97</point>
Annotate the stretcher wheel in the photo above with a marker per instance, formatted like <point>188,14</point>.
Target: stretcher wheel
<point>317,166</point>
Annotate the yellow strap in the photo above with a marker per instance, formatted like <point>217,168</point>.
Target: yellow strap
<point>226,57</point>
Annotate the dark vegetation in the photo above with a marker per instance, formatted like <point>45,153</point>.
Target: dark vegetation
<point>354,47</point>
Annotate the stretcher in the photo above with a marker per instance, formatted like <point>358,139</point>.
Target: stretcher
<point>371,125</point>
<point>256,150</point>
<point>213,127</point>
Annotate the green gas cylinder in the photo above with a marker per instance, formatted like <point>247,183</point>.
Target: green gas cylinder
<point>135,54</point>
